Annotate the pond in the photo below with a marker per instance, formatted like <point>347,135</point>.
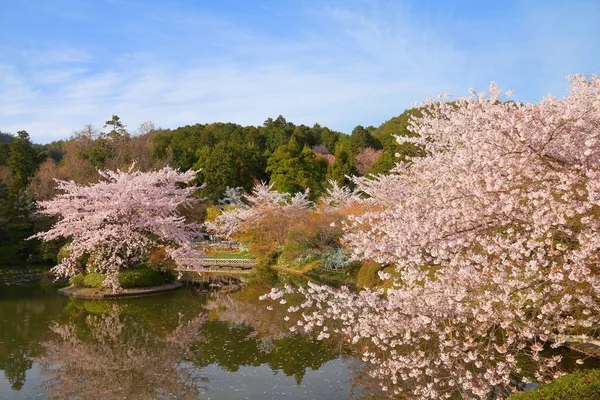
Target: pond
<point>185,344</point>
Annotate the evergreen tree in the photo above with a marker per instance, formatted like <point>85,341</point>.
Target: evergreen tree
<point>343,166</point>
<point>118,130</point>
<point>22,161</point>
<point>328,138</point>
<point>360,139</point>
<point>277,132</point>
<point>294,168</point>
<point>228,165</point>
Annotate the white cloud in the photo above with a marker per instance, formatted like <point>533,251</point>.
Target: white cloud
<point>347,67</point>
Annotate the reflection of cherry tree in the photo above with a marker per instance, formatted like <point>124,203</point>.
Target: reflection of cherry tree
<point>111,356</point>
<point>267,326</point>
<point>247,333</point>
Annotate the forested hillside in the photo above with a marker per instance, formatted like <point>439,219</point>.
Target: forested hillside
<point>290,157</point>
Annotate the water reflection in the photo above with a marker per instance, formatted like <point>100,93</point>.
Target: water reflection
<point>265,337</point>
<point>180,345</point>
<point>28,304</point>
<point>115,355</point>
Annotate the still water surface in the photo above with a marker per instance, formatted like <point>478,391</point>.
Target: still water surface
<point>184,344</point>
<point>181,345</point>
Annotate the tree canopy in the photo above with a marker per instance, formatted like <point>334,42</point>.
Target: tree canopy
<point>494,235</point>
<point>115,222</point>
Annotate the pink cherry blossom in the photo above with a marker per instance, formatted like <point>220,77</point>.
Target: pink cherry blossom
<point>117,220</point>
<point>495,235</point>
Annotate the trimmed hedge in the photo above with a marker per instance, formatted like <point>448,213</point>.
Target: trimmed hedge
<point>77,280</point>
<point>93,280</point>
<point>579,385</point>
<point>129,278</point>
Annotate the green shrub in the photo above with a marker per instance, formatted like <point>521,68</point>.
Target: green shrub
<point>93,280</point>
<point>129,278</point>
<point>336,260</point>
<point>63,252</point>
<point>49,250</point>
<point>580,385</point>
<point>77,280</point>
<point>368,274</point>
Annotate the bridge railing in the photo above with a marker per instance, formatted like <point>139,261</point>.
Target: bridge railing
<point>229,261</point>
<point>241,263</point>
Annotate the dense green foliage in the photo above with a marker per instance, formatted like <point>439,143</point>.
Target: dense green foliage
<point>224,154</point>
<point>141,277</point>
<point>22,160</point>
<point>343,165</point>
<point>294,168</point>
<point>15,249</point>
<point>230,155</point>
<point>129,278</point>
<point>394,151</point>
<point>580,385</point>
<point>12,242</point>
<point>228,164</point>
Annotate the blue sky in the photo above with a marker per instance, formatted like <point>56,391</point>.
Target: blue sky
<point>67,63</point>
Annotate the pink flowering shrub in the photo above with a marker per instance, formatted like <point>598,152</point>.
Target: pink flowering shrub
<point>119,219</point>
<point>495,236</point>
<point>265,209</point>
<point>366,158</point>
<point>290,227</point>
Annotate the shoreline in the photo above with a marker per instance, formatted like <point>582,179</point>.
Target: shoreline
<point>95,293</point>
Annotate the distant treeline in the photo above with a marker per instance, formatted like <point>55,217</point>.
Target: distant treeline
<point>291,157</point>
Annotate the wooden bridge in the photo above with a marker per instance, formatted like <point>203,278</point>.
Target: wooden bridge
<point>229,265</point>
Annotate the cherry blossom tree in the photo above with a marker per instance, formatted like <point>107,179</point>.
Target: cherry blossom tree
<point>244,211</point>
<point>337,197</point>
<point>263,222</point>
<point>119,219</point>
<point>365,159</point>
<point>495,238</point>
<point>263,203</point>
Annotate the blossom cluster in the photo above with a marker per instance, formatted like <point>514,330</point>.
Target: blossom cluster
<point>262,202</point>
<point>116,221</point>
<point>495,235</point>
<point>337,196</point>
